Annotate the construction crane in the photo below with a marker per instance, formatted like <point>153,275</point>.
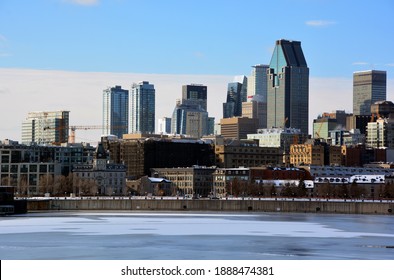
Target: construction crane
<point>73,128</point>
<point>317,133</point>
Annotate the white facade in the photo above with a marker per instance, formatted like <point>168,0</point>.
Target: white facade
<point>277,137</point>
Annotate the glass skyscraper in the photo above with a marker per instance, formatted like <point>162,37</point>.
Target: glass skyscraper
<point>115,111</point>
<point>142,108</point>
<point>195,95</point>
<point>236,94</point>
<point>368,88</point>
<point>288,87</point>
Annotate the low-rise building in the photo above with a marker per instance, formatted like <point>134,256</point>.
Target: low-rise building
<point>195,180</point>
<point>224,180</point>
<point>100,177</point>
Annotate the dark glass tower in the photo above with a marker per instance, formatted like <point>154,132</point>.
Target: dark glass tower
<point>288,87</point>
<point>195,95</point>
<point>236,94</point>
<point>142,108</point>
<point>115,111</point>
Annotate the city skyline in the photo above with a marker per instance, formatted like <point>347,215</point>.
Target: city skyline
<point>42,65</point>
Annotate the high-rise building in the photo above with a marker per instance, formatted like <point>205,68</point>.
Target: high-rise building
<point>195,94</point>
<point>46,127</point>
<point>142,108</point>
<point>236,94</point>
<point>368,88</point>
<point>257,82</point>
<point>189,120</point>
<point>164,125</point>
<point>288,87</point>
<point>256,108</point>
<point>115,111</point>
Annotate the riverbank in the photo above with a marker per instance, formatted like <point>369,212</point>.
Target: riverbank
<point>239,205</point>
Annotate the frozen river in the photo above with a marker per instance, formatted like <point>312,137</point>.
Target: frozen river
<point>126,235</point>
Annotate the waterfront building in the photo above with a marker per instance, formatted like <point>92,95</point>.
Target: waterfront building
<point>315,152</point>
<point>288,87</point>
<point>46,127</point>
<point>368,88</point>
<point>191,181</point>
<point>142,108</point>
<point>238,127</point>
<point>164,125</point>
<point>224,180</point>
<point>236,94</point>
<point>115,111</point>
<point>35,169</point>
<point>99,177</point>
<point>143,153</point>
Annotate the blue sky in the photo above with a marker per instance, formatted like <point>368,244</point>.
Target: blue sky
<point>221,37</point>
<point>53,51</point>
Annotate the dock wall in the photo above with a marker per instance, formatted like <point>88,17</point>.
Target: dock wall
<point>305,206</point>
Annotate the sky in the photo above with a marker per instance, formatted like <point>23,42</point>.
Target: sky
<point>61,54</point>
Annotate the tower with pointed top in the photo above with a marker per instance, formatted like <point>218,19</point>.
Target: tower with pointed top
<point>288,87</point>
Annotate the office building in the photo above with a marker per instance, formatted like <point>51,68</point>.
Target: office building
<point>189,120</point>
<point>368,88</point>
<point>142,108</point>
<point>257,82</point>
<point>288,87</point>
<point>195,94</point>
<point>238,127</point>
<point>382,109</point>
<point>190,116</point>
<point>164,125</point>
<point>46,128</point>
<point>236,94</point>
<point>115,111</point>
<point>256,108</point>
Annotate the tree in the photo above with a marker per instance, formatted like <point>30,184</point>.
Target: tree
<point>46,184</point>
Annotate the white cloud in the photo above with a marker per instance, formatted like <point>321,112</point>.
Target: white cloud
<point>83,2</point>
<point>319,23</point>
<point>390,64</point>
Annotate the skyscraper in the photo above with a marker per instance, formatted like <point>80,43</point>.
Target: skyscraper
<point>257,82</point>
<point>236,94</point>
<point>115,111</point>
<point>142,108</point>
<point>195,94</point>
<point>46,127</point>
<point>368,88</point>
<point>288,87</point>
<point>189,120</point>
